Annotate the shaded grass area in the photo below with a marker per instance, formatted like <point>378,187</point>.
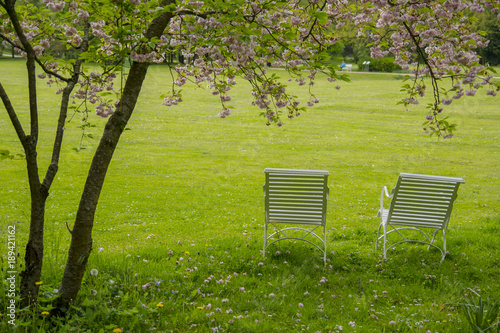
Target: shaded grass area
<point>186,184</point>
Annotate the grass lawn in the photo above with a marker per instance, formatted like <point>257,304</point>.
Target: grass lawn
<point>179,229</point>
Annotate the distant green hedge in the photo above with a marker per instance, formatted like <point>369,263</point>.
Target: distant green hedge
<point>380,65</point>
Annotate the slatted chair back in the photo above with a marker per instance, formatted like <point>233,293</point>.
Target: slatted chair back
<point>418,202</point>
<point>295,196</point>
<point>423,201</point>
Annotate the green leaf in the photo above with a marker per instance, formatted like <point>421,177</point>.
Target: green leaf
<point>322,17</point>
<point>491,69</point>
<point>84,55</point>
<point>4,154</point>
<point>290,36</point>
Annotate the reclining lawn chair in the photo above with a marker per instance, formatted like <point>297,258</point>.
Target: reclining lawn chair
<point>418,201</point>
<point>296,197</point>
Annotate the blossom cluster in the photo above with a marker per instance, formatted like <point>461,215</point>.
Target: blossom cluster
<point>430,39</point>
<point>221,42</point>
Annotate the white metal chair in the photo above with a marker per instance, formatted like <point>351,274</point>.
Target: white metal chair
<point>417,202</point>
<point>296,197</point>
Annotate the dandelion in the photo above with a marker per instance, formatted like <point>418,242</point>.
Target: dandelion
<point>93,292</point>
<point>94,271</point>
<point>160,305</point>
<point>117,330</point>
<point>39,283</point>
<point>187,252</point>
<point>45,313</point>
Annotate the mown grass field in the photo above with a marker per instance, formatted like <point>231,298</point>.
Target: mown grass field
<point>180,222</point>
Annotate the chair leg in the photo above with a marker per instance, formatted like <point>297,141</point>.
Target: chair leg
<point>324,242</point>
<point>385,241</point>
<point>378,234</point>
<point>444,244</point>
<point>265,240</point>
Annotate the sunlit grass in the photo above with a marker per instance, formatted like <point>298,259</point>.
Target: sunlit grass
<point>185,183</point>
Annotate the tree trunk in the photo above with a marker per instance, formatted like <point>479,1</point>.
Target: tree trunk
<point>81,240</point>
<point>34,249</point>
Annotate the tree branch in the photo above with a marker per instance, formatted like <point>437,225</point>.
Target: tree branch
<point>44,68</point>
<point>189,12</point>
<point>10,42</point>
<point>13,116</point>
<point>54,163</point>
<point>30,64</point>
<point>48,71</point>
<point>426,61</point>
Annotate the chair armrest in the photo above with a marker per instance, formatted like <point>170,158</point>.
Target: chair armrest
<point>384,191</point>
